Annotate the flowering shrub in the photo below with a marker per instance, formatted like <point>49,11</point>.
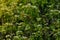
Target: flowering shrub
<point>29,20</point>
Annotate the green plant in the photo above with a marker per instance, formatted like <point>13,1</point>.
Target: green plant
<point>29,20</point>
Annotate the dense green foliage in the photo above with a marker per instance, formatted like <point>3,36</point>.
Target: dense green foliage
<point>29,20</point>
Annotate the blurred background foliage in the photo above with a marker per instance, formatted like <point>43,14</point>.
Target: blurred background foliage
<point>29,19</point>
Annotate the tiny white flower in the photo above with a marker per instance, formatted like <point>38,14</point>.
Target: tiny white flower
<point>39,25</point>
<point>51,10</point>
<point>20,4</point>
<point>33,33</point>
<point>8,36</point>
<point>34,6</point>
<point>29,4</point>
<point>6,23</point>
<point>24,37</point>
<point>16,15</point>
<point>38,19</point>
